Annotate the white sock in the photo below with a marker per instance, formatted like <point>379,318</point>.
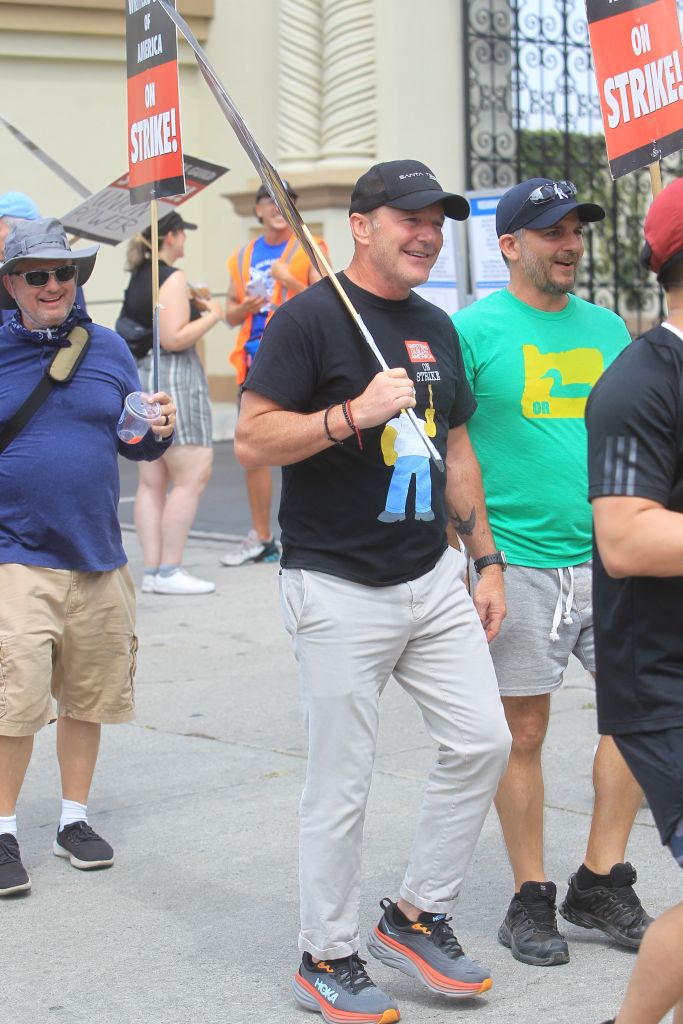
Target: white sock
<point>8,824</point>
<point>71,811</point>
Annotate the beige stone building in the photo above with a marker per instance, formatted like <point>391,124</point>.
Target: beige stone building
<point>327,87</point>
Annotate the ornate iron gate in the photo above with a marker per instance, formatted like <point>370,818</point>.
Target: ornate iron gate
<point>533,109</point>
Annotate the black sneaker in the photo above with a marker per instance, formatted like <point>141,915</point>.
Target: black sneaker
<point>615,908</point>
<point>82,846</point>
<point>13,874</point>
<point>342,991</point>
<point>428,950</point>
<point>530,927</point>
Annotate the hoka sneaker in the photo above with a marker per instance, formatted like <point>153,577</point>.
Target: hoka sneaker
<point>253,549</point>
<point>615,908</point>
<point>342,991</point>
<point>82,846</point>
<point>427,950</point>
<point>13,874</point>
<point>530,926</point>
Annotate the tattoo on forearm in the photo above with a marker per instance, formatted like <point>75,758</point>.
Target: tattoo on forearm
<point>465,526</point>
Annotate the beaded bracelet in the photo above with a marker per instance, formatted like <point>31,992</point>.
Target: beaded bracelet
<point>348,416</point>
<point>334,440</point>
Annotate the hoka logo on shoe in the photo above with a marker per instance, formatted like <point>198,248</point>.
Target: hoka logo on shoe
<point>326,991</point>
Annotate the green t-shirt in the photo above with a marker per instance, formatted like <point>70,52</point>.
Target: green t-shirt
<point>531,373</point>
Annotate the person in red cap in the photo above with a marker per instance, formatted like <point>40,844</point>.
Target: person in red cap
<point>264,273</point>
<point>635,453</point>
<point>365,595</point>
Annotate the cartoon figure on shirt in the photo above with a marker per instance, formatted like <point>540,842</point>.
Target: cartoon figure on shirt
<point>403,449</point>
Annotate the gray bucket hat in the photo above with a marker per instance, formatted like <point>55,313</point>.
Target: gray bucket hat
<point>42,240</point>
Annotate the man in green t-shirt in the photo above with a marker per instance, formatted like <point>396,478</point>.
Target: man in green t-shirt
<point>532,353</point>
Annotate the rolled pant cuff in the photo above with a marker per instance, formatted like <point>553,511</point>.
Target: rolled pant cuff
<point>338,952</point>
<point>431,906</point>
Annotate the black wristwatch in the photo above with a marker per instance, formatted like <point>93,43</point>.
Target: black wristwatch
<point>497,558</point>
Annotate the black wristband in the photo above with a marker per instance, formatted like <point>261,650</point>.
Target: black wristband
<point>334,440</point>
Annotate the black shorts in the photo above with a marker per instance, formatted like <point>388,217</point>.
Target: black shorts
<point>656,760</point>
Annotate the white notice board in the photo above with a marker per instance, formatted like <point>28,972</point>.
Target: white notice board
<point>487,269</point>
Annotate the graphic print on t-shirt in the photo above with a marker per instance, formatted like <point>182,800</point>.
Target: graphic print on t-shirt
<point>403,449</point>
<point>557,384</point>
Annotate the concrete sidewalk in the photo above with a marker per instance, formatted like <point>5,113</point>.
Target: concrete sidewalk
<point>197,921</point>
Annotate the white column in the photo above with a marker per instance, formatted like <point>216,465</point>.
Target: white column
<point>300,82</point>
<point>348,131</point>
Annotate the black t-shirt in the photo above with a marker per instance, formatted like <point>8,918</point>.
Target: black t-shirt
<point>635,448</point>
<point>311,356</point>
<point>137,301</point>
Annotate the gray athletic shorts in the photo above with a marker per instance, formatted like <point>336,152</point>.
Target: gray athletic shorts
<point>528,661</point>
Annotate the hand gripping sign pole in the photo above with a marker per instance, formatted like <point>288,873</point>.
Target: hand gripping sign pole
<point>273,182</point>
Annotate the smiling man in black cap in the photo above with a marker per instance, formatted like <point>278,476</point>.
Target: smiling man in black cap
<point>533,351</point>
<point>67,602</point>
<point>366,594</point>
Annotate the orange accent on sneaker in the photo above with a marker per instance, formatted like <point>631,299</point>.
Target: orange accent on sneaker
<point>434,979</point>
<point>334,1016</point>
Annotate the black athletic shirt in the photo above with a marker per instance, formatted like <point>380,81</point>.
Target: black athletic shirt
<point>313,356</point>
<point>635,448</point>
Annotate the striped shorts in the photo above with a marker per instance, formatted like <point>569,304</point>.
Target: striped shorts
<point>181,374</point>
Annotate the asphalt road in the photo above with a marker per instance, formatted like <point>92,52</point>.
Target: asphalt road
<point>223,510</point>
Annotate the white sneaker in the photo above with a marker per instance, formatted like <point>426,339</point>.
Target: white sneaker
<point>253,549</point>
<point>181,582</point>
<point>147,585</point>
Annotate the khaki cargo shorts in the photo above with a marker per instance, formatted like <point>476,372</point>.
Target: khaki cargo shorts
<point>66,635</point>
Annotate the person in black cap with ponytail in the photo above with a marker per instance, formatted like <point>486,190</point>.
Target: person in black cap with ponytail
<point>635,465</point>
<point>370,587</point>
<point>163,517</point>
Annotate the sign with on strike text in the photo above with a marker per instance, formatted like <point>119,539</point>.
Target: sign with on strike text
<point>638,64</point>
<point>155,152</point>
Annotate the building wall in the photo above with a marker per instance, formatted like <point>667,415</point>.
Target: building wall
<point>326,86</point>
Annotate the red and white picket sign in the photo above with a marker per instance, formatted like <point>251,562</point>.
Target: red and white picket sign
<point>638,59</point>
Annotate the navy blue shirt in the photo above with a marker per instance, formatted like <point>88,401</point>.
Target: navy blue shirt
<point>59,478</point>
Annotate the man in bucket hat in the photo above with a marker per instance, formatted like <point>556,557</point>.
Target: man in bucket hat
<point>532,352</point>
<point>635,472</point>
<point>67,602</point>
<point>370,588</point>
<point>15,207</point>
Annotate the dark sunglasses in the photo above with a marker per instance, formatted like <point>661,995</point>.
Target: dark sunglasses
<point>552,190</point>
<point>38,278</point>
<point>543,194</point>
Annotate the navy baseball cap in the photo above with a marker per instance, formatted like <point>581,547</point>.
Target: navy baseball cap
<point>540,203</point>
<point>405,185</point>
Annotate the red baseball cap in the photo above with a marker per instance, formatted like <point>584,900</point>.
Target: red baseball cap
<point>663,228</point>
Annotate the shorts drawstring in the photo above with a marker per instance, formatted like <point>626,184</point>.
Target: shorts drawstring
<point>566,618</point>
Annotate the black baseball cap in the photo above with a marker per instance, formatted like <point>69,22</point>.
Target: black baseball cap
<point>405,185</point>
<point>263,192</point>
<point>170,222</point>
<point>517,209</point>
